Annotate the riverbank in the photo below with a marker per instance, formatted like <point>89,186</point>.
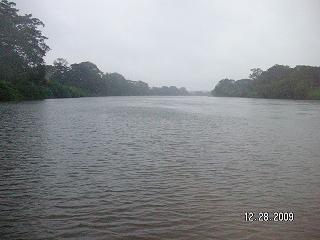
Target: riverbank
<point>277,82</point>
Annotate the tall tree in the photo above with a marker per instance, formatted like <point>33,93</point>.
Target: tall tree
<point>22,45</point>
<point>255,73</point>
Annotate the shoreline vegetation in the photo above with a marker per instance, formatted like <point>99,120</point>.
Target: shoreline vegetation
<point>25,76</point>
<point>278,82</point>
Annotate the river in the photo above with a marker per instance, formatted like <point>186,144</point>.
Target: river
<point>159,168</point>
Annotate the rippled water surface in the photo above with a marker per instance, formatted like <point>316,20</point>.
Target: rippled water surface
<point>158,168</point>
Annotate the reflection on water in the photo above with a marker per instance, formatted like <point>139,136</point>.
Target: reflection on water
<point>158,168</point>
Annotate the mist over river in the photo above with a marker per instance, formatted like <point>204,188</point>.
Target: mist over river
<point>159,168</point>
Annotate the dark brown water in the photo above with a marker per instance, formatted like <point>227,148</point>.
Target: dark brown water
<point>158,168</point>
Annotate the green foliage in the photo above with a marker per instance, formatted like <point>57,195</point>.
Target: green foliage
<point>58,90</point>
<point>86,76</point>
<point>86,79</point>
<point>301,82</point>
<point>22,44</point>
<point>314,94</point>
<point>169,91</point>
<point>232,88</point>
<point>24,76</point>
<point>255,73</point>
<point>22,48</point>
<point>8,92</point>
<point>31,90</point>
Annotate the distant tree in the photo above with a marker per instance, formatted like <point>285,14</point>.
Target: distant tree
<point>87,75</point>
<point>225,87</point>
<point>255,73</point>
<point>61,65</point>
<point>86,79</point>
<point>138,88</point>
<point>60,71</point>
<point>183,91</point>
<point>117,85</point>
<point>168,91</point>
<point>279,81</point>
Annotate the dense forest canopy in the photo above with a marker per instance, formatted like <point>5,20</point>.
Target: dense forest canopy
<point>24,75</point>
<point>300,82</point>
<point>86,79</point>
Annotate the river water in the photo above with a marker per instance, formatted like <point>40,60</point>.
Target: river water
<point>159,168</point>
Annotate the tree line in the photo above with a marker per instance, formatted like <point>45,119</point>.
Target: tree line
<point>24,75</point>
<point>86,79</point>
<point>279,81</point>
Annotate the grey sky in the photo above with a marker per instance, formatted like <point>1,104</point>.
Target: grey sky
<point>181,42</point>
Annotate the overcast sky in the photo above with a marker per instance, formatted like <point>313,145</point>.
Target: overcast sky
<point>180,42</point>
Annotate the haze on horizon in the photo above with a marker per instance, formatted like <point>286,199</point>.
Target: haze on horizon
<point>183,43</point>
